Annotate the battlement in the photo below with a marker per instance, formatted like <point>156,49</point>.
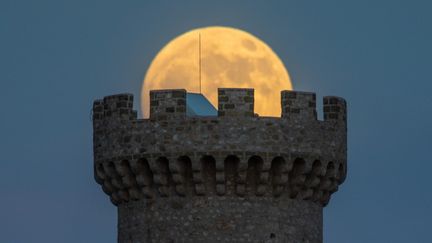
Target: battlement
<point>114,107</point>
<point>335,109</point>
<point>298,105</point>
<point>170,154</point>
<point>167,104</point>
<point>236,102</point>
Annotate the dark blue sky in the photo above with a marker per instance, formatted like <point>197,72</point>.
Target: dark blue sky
<point>57,57</point>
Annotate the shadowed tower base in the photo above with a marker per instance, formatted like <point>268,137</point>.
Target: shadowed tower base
<point>220,219</point>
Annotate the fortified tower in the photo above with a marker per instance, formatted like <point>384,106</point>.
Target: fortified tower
<point>234,177</point>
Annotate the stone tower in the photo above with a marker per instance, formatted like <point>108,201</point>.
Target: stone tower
<point>234,177</point>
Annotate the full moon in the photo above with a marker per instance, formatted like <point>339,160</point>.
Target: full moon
<point>230,58</point>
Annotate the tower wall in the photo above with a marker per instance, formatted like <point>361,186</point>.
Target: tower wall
<point>220,219</point>
<point>233,177</point>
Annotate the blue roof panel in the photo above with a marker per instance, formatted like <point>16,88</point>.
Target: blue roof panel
<point>198,105</point>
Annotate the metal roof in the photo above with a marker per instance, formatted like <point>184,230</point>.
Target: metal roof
<point>198,105</point>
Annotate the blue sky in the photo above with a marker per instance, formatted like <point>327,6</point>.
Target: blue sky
<point>56,57</point>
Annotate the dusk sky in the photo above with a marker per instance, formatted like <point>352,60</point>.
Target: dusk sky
<point>56,57</point>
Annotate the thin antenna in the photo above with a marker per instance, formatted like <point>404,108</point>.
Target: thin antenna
<point>200,62</point>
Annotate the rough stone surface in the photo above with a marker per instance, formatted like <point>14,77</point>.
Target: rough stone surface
<point>236,102</point>
<point>220,219</point>
<point>233,177</point>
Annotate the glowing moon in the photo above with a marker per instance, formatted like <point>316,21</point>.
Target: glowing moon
<point>230,58</point>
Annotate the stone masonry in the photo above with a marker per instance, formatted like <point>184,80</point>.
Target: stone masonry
<point>235,177</point>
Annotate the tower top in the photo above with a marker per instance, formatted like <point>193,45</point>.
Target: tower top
<point>219,166</point>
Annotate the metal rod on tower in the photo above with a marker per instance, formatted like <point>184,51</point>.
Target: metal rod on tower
<point>200,63</point>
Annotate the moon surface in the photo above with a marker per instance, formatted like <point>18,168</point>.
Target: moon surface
<point>230,58</point>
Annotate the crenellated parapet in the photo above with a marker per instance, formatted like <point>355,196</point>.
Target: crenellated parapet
<point>234,154</point>
<point>167,104</point>
<point>236,102</point>
<point>298,105</point>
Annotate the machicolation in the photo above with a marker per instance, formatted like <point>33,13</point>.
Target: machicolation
<point>234,177</point>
